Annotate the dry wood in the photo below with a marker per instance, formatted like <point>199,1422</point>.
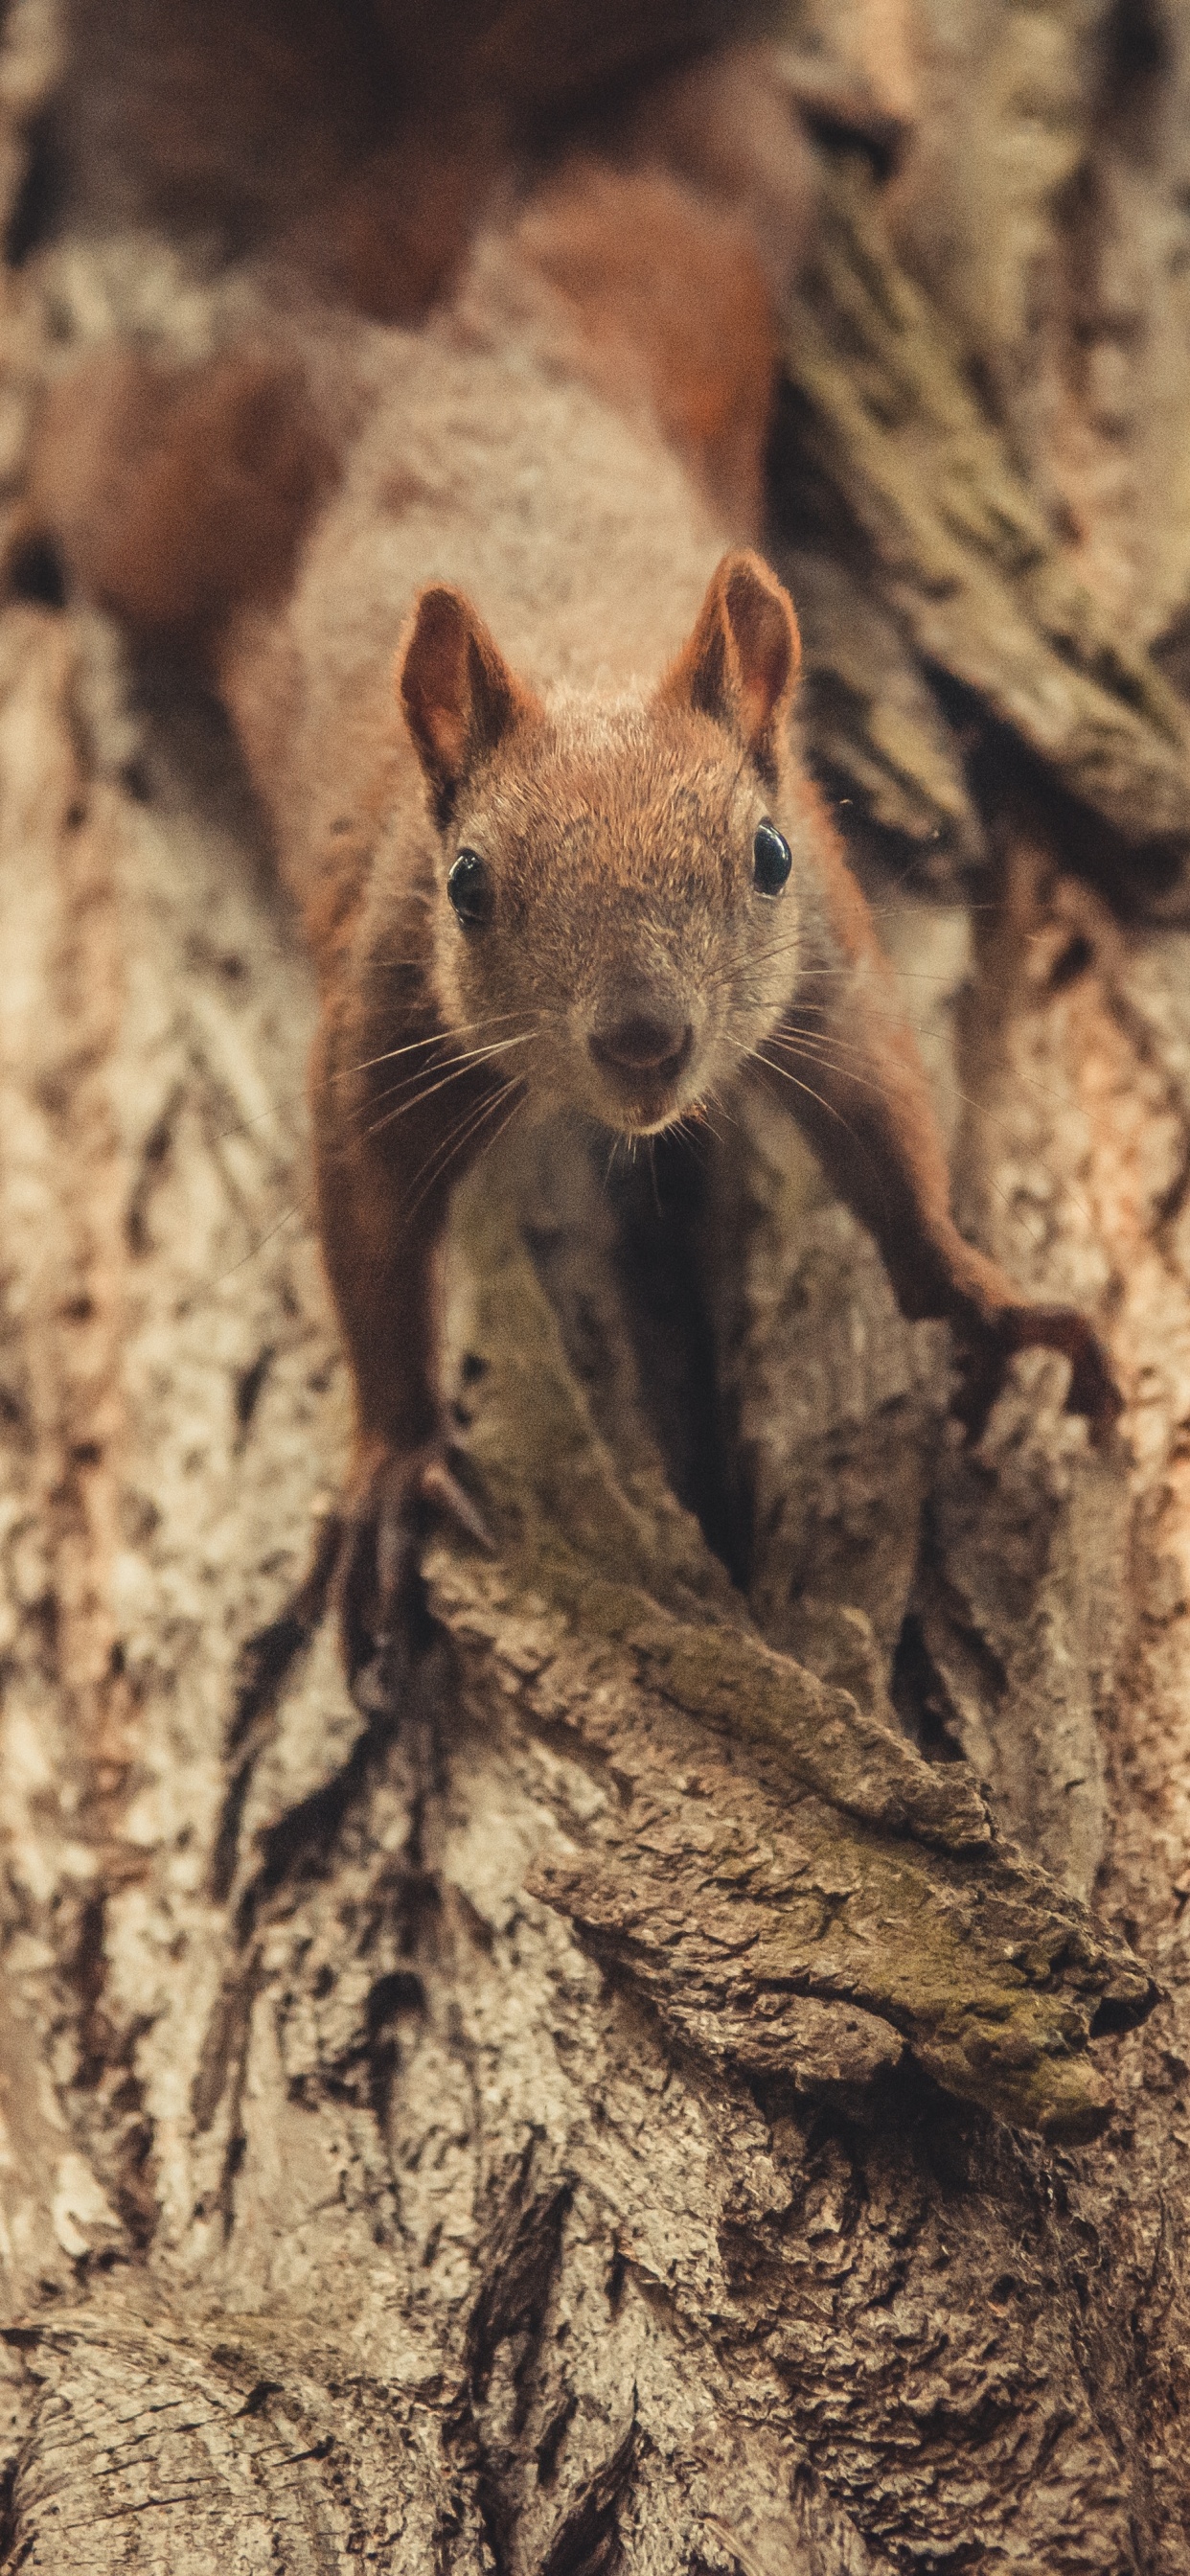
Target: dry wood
<point>969,562</point>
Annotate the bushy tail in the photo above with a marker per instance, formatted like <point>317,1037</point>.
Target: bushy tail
<point>174,495</point>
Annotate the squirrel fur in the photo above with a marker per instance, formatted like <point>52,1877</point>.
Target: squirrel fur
<point>516,689</point>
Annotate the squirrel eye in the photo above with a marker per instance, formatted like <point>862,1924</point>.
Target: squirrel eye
<point>469,890</point>
<point>772,859</point>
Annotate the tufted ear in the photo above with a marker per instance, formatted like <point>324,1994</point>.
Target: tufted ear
<point>459,697</point>
<point>742,661</point>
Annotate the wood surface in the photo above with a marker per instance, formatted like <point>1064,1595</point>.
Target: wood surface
<point>701,2088</point>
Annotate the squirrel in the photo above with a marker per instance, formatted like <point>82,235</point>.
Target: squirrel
<point>363,140</point>
<point>517,688</point>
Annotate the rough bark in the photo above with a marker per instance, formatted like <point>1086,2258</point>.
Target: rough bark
<point>624,2106</point>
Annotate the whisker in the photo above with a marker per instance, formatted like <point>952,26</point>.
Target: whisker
<point>999,1190</point>
<point>348,1073</point>
<point>840,1056</point>
<point>837,1114</point>
<point>885,1003</point>
<point>299,1207</point>
<point>302,1205</point>
<point>440,1037</point>
<point>717,1101</point>
<point>461,1066</point>
<point>816,1052</point>
<point>505,1123</point>
<point>757,1058</point>
<point>443,1157</point>
<point>825,1063</point>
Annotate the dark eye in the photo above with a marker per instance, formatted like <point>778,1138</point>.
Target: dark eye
<point>469,889</point>
<point>772,860</point>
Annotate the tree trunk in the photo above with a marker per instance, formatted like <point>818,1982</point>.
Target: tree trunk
<point>702,2086</point>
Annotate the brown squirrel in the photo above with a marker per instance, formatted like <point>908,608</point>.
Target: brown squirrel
<point>562,849</point>
<point>362,139</point>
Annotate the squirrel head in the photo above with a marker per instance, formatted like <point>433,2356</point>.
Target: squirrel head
<point>616,892</point>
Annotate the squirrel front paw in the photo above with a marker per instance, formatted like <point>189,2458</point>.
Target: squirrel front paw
<point>985,1346</point>
<point>392,1499</point>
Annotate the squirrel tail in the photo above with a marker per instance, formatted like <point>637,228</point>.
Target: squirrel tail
<point>174,495</point>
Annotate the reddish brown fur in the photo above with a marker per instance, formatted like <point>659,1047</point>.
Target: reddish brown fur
<point>607,781</point>
<point>723,123</point>
<point>176,495</point>
<point>682,306</point>
<point>361,138</point>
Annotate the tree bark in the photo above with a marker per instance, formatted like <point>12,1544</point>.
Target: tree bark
<point>702,2086</point>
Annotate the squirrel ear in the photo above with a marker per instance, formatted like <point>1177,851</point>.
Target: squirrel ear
<point>741,664</point>
<point>456,689</point>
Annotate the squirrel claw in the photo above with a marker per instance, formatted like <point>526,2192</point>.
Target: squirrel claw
<point>377,1580</point>
<point>445,1495</point>
<point>1093,1390</point>
<point>984,1361</point>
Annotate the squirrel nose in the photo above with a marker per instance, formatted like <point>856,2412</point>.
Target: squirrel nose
<point>643,1045</point>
